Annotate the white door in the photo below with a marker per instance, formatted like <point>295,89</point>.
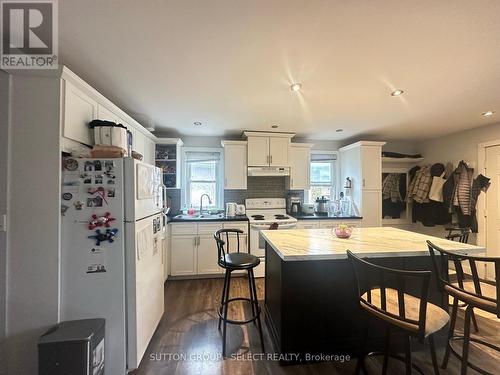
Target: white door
<point>207,255</point>
<point>258,151</point>
<point>235,167</point>
<point>183,255</point>
<point>371,166</point>
<point>300,168</point>
<point>143,194</point>
<point>278,151</point>
<point>493,204</point>
<point>371,208</point>
<point>79,110</point>
<point>146,306</point>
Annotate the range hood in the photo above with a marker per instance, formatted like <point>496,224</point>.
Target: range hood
<point>268,171</point>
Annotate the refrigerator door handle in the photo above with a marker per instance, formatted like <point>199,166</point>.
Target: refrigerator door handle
<point>164,195</point>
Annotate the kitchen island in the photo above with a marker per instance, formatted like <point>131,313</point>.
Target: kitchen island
<point>311,303</point>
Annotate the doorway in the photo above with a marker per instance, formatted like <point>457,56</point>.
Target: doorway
<point>492,203</point>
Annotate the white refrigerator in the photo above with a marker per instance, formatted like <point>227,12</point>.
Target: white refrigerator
<point>112,221</point>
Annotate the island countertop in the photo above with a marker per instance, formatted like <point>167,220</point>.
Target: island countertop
<point>317,244</point>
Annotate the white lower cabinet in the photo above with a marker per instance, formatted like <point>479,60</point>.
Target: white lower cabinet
<point>193,248</point>
<point>183,256</point>
<point>307,224</point>
<point>207,255</point>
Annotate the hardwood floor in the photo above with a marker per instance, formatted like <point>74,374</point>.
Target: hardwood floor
<point>187,340</point>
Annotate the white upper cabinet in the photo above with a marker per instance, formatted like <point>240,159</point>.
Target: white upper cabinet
<point>300,158</point>
<point>235,164</point>
<point>371,162</point>
<point>362,163</point>
<point>105,114</point>
<point>278,151</point>
<point>79,110</point>
<point>268,149</point>
<point>258,151</point>
<point>82,104</point>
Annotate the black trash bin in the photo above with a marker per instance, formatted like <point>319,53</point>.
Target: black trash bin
<point>74,347</point>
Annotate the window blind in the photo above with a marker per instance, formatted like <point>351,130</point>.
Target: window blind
<point>324,157</point>
<point>202,156</point>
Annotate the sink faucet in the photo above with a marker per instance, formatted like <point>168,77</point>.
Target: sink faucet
<point>201,202</point>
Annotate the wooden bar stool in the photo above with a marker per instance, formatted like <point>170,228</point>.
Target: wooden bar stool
<point>232,261</point>
<point>382,294</point>
<point>469,289</point>
<point>460,235</point>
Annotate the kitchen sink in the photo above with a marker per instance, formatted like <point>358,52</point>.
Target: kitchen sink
<point>200,217</point>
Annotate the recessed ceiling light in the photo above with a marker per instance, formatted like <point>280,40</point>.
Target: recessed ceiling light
<point>274,126</point>
<point>197,123</point>
<point>488,113</point>
<point>295,86</point>
<point>339,130</point>
<point>397,92</point>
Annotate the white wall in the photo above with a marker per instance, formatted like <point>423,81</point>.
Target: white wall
<point>458,146</point>
<point>33,243</point>
<point>4,130</point>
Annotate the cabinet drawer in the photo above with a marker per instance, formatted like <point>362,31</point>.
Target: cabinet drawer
<point>183,228</point>
<point>208,228</point>
<point>242,225</point>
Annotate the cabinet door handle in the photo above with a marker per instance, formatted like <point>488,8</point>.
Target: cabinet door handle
<point>271,160</point>
<point>364,182</point>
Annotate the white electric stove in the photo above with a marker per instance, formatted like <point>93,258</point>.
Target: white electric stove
<point>265,213</point>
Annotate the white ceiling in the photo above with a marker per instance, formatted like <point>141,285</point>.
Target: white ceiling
<point>229,63</point>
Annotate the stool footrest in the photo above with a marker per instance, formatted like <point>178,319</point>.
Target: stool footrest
<point>472,339</point>
<point>240,322</point>
<point>394,356</point>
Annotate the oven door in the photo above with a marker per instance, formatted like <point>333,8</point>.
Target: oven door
<point>257,243</point>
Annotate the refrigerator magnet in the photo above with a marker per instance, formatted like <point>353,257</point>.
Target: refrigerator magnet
<point>70,164</point>
<point>67,196</point>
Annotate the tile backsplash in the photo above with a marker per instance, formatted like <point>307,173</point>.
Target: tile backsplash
<point>257,187</point>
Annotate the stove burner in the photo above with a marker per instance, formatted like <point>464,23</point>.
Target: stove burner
<point>258,217</point>
<point>281,217</point>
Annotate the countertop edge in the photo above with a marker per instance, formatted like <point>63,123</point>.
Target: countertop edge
<point>325,217</point>
<point>399,253</point>
<point>208,220</point>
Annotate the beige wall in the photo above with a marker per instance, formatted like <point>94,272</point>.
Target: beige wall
<point>458,146</point>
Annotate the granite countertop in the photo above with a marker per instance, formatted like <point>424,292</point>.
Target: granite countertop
<point>302,216</point>
<point>319,244</point>
<point>223,217</point>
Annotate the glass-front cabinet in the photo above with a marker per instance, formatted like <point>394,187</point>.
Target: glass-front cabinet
<point>167,157</point>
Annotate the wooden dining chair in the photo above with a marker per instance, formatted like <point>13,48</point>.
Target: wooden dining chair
<point>469,289</point>
<point>383,293</point>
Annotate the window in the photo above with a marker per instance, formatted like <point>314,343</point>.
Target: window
<point>323,176</point>
<point>202,175</point>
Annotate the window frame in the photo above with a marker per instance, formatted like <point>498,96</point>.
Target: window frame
<point>335,173</point>
<point>219,177</point>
